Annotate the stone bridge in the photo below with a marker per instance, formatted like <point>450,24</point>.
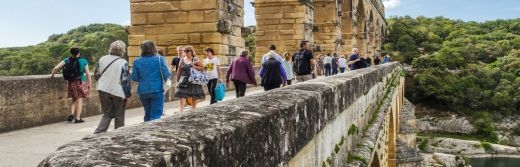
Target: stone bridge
<point>332,25</point>
<point>343,120</point>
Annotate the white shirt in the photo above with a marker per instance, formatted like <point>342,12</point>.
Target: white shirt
<point>110,81</point>
<point>327,60</point>
<point>342,62</point>
<point>211,67</point>
<point>266,57</point>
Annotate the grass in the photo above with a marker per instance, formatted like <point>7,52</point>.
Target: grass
<point>487,146</point>
<point>352,129</point>
<point>352,158</point>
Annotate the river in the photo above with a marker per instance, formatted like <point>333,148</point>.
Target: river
<point>495,162</point>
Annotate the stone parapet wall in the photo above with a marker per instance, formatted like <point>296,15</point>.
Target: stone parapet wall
<point>28,101</point>
<point>266,129</point>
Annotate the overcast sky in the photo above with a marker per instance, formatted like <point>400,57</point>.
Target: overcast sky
<point>29,22</point>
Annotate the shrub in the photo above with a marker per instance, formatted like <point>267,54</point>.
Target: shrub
<point>485,128</point>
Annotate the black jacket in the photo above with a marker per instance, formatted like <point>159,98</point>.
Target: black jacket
<point>272,75</point>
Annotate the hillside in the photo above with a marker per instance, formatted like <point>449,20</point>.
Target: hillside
<point>468,68</point>
<point>93,40</point>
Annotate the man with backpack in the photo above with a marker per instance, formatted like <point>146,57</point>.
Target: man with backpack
<point>303,63</point>
<point>75,71</point>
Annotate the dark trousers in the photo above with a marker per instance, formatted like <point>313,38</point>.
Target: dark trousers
<point>153,104</point>
<point>289,82</point>
<point>327,69</point>
<point>334,70</point>
<point>211,89</point>
<point>240,88</point>
<point>270,87</point>
<point>342,69</point>
<point>113,107</point>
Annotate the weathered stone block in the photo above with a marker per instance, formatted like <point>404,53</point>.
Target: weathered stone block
<point>198,5</point>
<point>293,15</point>
<point>160,6</point>
<point>136,39</point>
<point>155,18</point>
<point>159,29</point>
<point>176,17</point>
<point>138,19</point>
<point>195,38</point>
<point>210,16</point>
<point>196,16</point>
<point>172,39</point>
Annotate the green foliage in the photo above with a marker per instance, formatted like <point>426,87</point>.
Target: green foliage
<point>336,148</point>
<point>423,145</point>
<point>487,146</point>
<point>485,128</point>
<point>516,130</point>
<point>353,129</point>
<point>351,158</point>
<point>466,67</point>
<point>93,41</point>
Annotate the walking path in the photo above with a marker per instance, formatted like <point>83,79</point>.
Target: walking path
<point>27,147</point>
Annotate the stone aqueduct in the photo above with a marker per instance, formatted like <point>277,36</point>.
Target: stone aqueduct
<point>332,25</point>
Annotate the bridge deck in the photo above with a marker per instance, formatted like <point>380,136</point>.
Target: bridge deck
<point>27,147</point>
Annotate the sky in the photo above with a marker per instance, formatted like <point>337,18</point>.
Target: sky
<point>29,22</point>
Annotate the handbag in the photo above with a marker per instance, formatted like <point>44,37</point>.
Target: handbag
<point>198,77</point>
<point>220,91</point>
<point>167,84</point>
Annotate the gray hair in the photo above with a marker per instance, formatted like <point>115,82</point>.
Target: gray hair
<point>180,47</point>
<point>244,52</point>
<point>355,50</point>
<point>117,48</point>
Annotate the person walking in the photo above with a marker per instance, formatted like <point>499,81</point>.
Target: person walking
<point>319,65</point>
<point>354,60</point>
<point>288,67</point>
<point>241,73</point>
<point>113,86</point>
<point>174,66</point>
<point>272,50</point>
<point>272,73</point>
<point>328,64</point>
<point>149,71</point>
<point>334,64</point>
<point>303,63</point>
<point>342,64</point>
<point>185,88</point>
<point>212,66</point>
<point>77,74</point>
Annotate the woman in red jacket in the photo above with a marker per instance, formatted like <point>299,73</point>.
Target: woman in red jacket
<point>242,73</point>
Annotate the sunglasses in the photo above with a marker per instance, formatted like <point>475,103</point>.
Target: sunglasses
<point>187,51</point>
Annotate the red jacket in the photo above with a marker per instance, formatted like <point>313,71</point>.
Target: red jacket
<point>242,70</point>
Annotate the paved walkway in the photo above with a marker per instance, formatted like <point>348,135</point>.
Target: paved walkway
<point>27,147</point>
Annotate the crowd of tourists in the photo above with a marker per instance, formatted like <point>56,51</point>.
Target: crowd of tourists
<point>151,72</point>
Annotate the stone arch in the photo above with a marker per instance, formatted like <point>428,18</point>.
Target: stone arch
<point>360,23</point>
<point>375,161</point>
<point>392,133</point>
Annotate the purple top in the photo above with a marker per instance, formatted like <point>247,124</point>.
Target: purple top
<point>241,70</point>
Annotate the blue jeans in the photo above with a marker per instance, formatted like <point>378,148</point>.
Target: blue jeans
<point>342,69</point>
<point>153,104</point>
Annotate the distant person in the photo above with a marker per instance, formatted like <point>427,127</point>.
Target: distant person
<point>185,88</point>
<point>288,67</point>
<point>377,60</point>
<point>174,66</point>
<point>303,63</point>
<point>328,64</point>
<point>386,59</point>
<point>272,73</point>
<point>368,59</point>
<point>334,64</point>
<point>319,65</point>
<point>272,50</point>
<point>149,70</point>
<point>241,73</point>
<point>342,62</point>
<point>113,86</point>
<point>76,72</point>
<point>212,65</point>
<point>354,60</point>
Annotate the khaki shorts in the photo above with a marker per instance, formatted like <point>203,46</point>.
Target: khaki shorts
<point>303,78</point>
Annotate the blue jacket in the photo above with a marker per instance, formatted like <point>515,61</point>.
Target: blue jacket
<point>146,71</point>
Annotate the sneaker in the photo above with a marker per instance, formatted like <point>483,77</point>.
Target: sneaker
<point>78,121</point>
<point>70,118</point>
